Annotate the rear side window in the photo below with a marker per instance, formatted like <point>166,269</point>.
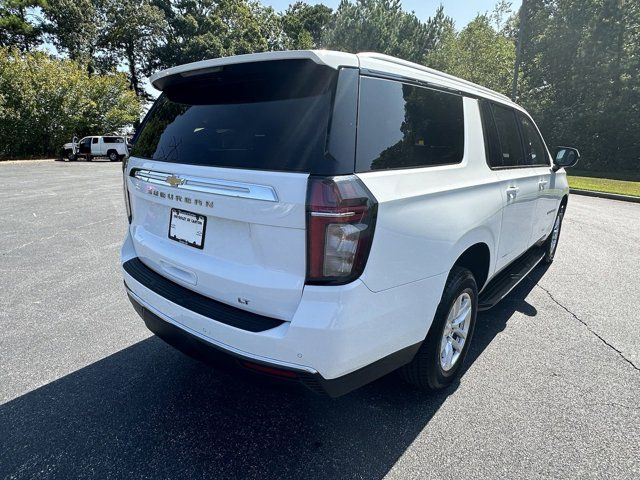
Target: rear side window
<point>535,152</point>
<point>113,140</point>
<point>94,140</point>
<point>402,126</point>
<point>266,115</point>
<point>492,144</point>
<point>510,146</point>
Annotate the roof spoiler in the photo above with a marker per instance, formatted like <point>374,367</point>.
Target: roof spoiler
<point>165,78</point>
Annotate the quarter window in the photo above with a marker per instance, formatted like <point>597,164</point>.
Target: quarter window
<point>401,126</point>
<point>534,149</point>
<point>510,153</point>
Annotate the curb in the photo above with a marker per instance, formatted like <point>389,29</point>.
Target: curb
<point>610,196</point>
<point>25,160</point>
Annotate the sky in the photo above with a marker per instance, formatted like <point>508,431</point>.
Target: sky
<point>462,11</point>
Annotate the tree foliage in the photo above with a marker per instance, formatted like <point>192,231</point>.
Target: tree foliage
<point>20,27</point>
<point>73,26</point>
<point>45,101</point>
<point>477,53</point>
<point>202,29</point>
<point>579,72</point>
<point>581,77</point>
<point>383,26</point>
<point>305,25</point>
<point>134,34</point>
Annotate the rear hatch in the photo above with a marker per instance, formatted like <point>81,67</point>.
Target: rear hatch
<point>218,175</point>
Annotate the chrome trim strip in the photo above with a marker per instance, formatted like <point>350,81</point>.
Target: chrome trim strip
<point>208,185</point>
<point>333,215</point>
<point>220,345</point>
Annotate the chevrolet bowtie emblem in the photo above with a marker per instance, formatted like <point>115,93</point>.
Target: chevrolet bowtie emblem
<point>175,181</point>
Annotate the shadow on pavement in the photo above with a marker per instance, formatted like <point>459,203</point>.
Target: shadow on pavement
<point>148,411</point>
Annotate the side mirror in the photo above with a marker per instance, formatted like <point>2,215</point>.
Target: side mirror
<point>565,157</point>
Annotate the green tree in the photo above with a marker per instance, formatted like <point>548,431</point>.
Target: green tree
<point>20,25</point>
<point>382,26</point>
<point>580,77</point>
<point>477,53</point>
<point>304,25</point>
<point>44,101</point>
<point>136,29</point>
<point>438,27</point>
<point>74,27</point>
<point>202,29</point>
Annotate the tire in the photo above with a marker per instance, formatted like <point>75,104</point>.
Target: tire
<point>551,243</point>
<point>113,156</point>
<point>426,370</point>
<point>71,157</point>
<point>88,158</point>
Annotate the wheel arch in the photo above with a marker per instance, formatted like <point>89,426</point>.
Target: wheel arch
<point>477,259</point>
<point>476,251</point>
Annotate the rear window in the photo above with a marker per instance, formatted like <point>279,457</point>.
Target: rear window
<point>267,116</point>
<point>402,126</point>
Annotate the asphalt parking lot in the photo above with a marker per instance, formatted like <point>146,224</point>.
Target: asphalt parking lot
<point>551,387</point>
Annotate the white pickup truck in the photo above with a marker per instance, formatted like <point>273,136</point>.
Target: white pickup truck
<point>112,147</point>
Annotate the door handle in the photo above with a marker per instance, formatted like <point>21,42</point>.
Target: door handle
<point>542,184</point>
<point>512,192</point>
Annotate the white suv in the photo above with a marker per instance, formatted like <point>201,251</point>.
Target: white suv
<point>328,218</point>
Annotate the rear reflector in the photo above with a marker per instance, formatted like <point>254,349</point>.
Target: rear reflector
<point>341,216</point>
<point>269,370</point>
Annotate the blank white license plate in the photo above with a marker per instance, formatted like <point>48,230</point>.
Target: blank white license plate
<point>186,227</point>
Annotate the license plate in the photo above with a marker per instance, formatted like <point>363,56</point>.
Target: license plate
<point>186,227</point>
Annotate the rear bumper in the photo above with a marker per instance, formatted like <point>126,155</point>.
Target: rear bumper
<point>339,338</point>
<point>212,354</point>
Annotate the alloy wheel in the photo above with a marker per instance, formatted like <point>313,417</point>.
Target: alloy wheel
<point>456,330</point>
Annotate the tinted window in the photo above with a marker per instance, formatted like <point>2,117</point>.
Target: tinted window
<point>113,140</point>
<point>491,142</point>
<point>534,150</point>
<point>510,152</point>
<point>267,115</point>
<point>402,125</point>
<point>94,140</point>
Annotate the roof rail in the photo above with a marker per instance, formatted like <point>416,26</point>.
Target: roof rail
<point>417,66</point>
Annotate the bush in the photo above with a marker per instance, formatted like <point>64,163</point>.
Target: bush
<point>45,101</point>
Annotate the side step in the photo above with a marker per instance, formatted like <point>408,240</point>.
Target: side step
<point>500,286</point>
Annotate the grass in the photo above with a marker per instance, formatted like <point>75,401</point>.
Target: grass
<point>605,185</point>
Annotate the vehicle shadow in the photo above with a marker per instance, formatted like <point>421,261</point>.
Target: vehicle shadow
<point>149,411</point>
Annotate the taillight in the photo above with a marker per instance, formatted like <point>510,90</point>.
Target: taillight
<point>341,215</point>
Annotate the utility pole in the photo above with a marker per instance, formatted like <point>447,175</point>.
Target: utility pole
<point>516,68</point>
